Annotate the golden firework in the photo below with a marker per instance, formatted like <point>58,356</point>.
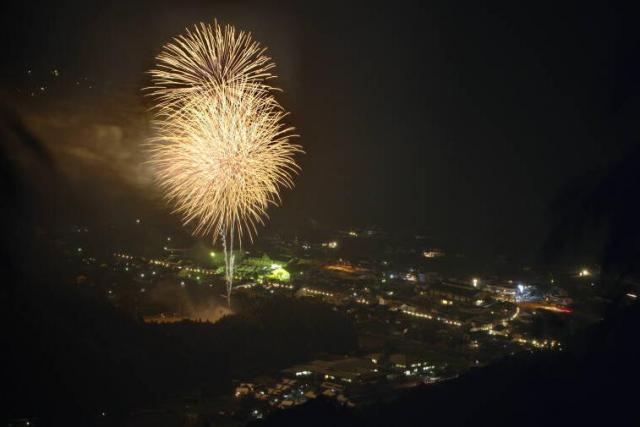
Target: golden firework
<point>222,152</point>
<point>204,57</point>
<point>223,158</point>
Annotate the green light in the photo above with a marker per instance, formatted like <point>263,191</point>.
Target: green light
<point>279,274</point>
<point>212,254</point>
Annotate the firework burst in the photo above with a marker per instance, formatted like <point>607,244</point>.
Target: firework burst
<point>222,152</point>
<point>203,58</point>
<point>223,158</point>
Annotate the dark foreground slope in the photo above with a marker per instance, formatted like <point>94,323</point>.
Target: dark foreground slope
<point>70,356</point>
<point>593,382</point>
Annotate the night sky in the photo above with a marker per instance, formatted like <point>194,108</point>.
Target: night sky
<point>461,120</point>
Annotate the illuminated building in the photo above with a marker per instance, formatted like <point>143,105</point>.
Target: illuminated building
<point>454,293</point>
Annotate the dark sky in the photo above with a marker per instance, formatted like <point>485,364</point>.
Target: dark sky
<point>457,119</point>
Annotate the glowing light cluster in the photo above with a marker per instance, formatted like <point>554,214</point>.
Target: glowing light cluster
<point>280,286</point>
<point>332,245</point>
<point>317,292</point>
<point>166,264</point>
<point>430,317</point>
<point>550,344</point>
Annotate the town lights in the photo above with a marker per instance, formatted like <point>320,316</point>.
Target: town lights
<point>584,273</point>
